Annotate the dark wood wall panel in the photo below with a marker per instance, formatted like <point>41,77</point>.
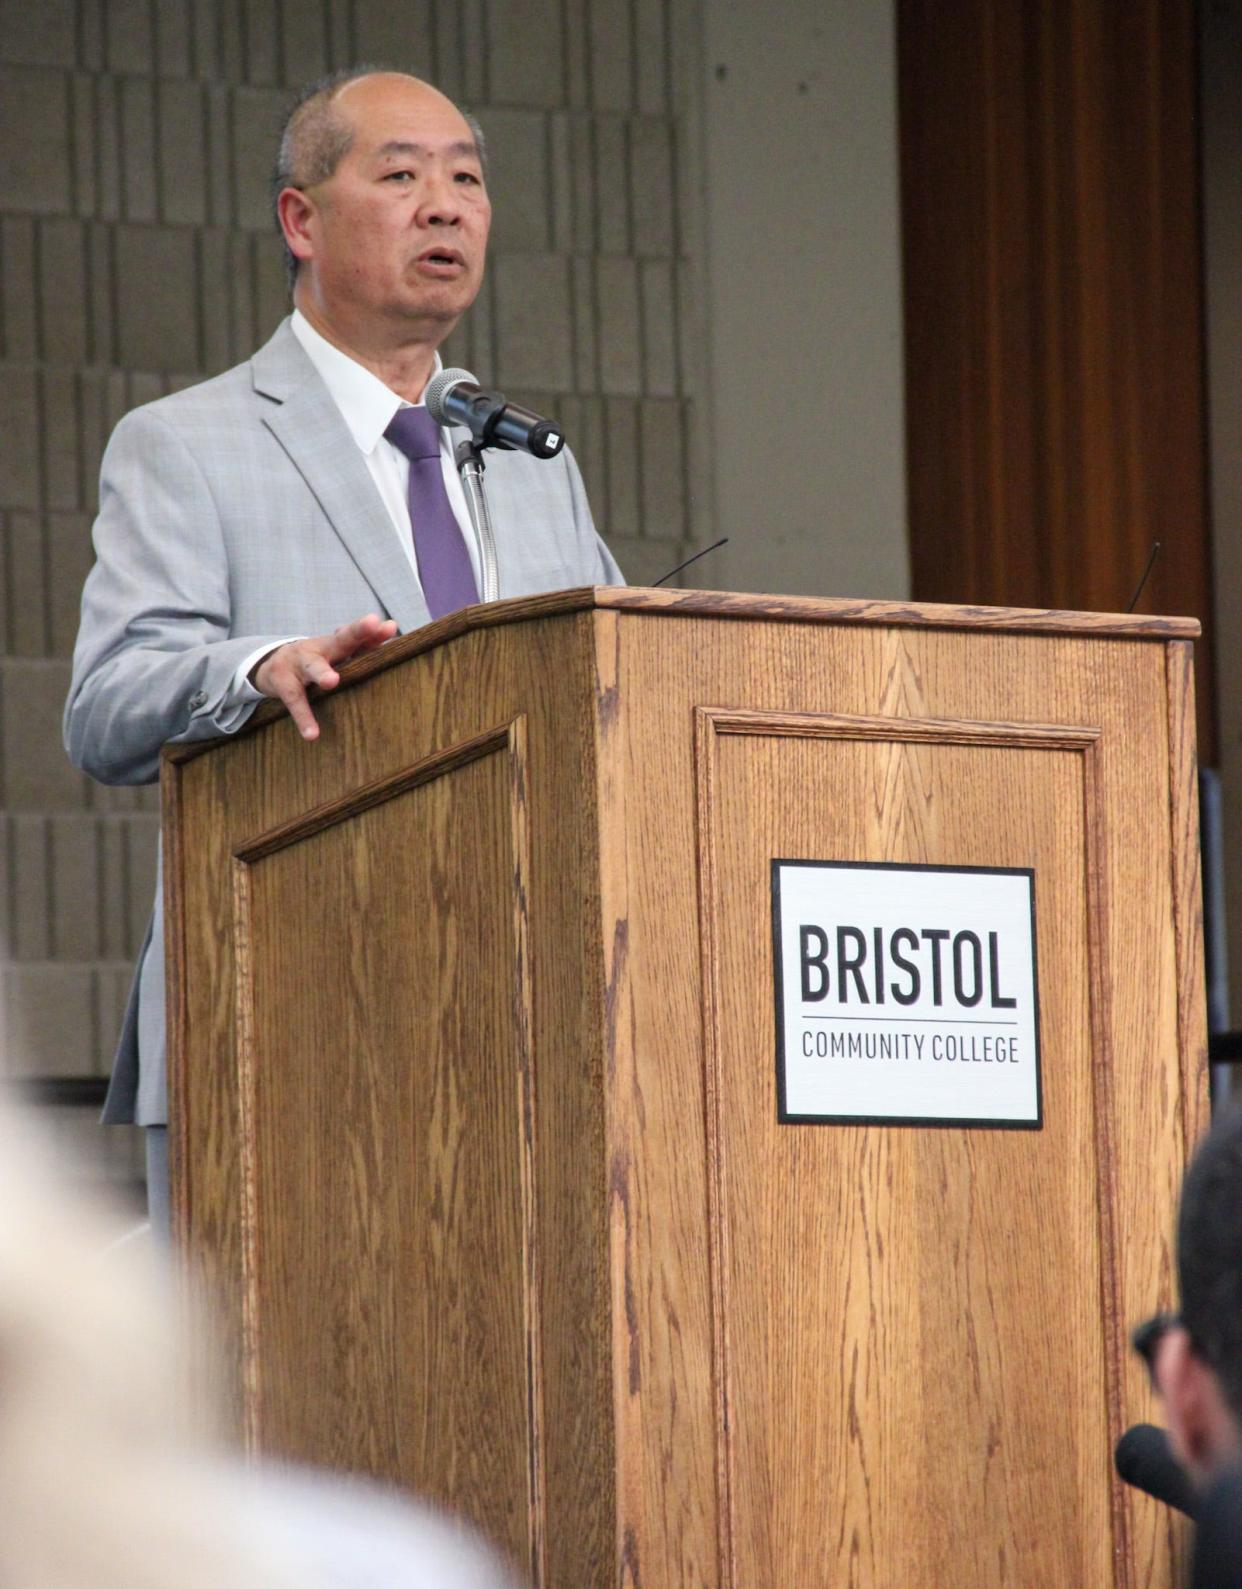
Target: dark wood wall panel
<point>1053,306</point>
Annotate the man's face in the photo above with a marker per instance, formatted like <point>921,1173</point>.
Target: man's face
<point>398,232</point>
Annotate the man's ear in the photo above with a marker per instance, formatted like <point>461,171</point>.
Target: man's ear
<point>1202,1430</point>
<point>296,213</point>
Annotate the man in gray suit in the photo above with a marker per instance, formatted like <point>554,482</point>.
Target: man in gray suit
<point>258,530</point>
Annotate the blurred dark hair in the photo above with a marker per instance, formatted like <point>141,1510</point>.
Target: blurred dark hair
<point>1209,1252</point>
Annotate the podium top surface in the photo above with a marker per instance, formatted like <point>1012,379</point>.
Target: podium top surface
<point>844,609</point>
<point>827,610</point>
<point>780,609</point>
<point>798,609</point>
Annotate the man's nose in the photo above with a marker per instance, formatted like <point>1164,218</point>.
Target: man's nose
<point>441,204</point>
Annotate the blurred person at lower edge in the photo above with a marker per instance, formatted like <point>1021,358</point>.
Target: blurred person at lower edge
<point>104,1483</point>
<point>1196,1355</point>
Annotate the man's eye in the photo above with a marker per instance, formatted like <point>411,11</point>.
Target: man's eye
<point>468,176</point>
<point>399,176</point>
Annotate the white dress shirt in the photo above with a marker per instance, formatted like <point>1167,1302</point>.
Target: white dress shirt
<point>367,406</point>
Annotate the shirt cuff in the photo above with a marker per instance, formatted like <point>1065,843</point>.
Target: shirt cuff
<point>241,693</point>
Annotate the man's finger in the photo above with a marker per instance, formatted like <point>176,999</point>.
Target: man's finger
<point>381,637</point>
<point>361,635</point>
<point>316,669</point>
<point>286,672</point>
<point>291,692</point>
<point>343,642</point>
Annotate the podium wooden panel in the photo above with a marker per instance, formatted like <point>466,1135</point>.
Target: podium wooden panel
<point>474,1091</point>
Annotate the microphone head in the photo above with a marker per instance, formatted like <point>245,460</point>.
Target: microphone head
<point>438,388</point>
<point>1144,1458</point>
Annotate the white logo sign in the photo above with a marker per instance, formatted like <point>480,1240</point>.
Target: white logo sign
<point>906,993</point>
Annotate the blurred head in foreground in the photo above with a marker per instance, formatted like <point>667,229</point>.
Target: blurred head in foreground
<point>1197,1360</point>
<point>103,1482</point>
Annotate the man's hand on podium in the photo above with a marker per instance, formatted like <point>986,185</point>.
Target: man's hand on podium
<point>287,672</point>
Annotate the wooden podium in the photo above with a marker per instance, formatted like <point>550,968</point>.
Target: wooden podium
<point>476,1131</point>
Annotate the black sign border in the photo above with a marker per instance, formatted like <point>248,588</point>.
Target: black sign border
<point>783,1115</point>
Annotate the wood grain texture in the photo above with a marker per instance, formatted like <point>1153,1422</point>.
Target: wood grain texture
<point>251,1383</point>
<point>392,1128</point>
<point>894,730</point>
<point>707,724</point>
<point>421,1184</point>
<point>666,1512</point>
<point>937,615</point>
<point>780,1495</point>
<point>339,825</point>
<point>1088,1272</point>
<point>375,793</point>
<point>1102,984</point>
<point>1051,238</point>
<point>523,1227</point>
<point>172,840</point>
<point>1186,858</point>
<point>1161,1531</point>
<point>528,1164</point>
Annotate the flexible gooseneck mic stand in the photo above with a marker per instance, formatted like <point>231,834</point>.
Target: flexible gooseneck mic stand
<point>470,467</point>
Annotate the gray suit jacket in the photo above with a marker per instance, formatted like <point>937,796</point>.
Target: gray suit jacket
<point>236,512</point>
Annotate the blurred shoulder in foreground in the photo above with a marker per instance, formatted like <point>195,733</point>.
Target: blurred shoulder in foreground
<point>104,1480</point>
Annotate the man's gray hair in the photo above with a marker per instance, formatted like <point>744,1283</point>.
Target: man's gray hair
<point>314,140</point>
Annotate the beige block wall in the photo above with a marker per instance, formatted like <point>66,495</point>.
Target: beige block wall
<point>801,256</point>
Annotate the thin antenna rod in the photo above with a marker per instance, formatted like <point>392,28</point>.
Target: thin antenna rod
<point>721,542</point>
<point>1151,563</point>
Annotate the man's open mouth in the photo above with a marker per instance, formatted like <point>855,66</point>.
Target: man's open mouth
<point>444,257</point>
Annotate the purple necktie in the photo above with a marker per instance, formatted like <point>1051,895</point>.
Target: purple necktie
<point>443,561</point>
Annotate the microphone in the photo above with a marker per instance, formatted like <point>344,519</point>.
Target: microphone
<point>1145,1459</point>
<point>454,397</point>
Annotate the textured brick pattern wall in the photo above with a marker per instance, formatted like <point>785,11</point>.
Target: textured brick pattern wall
<point>136,256</point>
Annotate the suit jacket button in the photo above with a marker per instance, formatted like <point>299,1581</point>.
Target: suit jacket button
<point>198,700</point>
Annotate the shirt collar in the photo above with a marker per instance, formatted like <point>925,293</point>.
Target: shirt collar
<point>366,404</point>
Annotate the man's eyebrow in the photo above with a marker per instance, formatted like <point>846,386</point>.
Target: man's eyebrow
<point>396,146</point>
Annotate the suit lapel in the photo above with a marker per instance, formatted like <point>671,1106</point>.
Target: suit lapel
<point>306,422</point>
